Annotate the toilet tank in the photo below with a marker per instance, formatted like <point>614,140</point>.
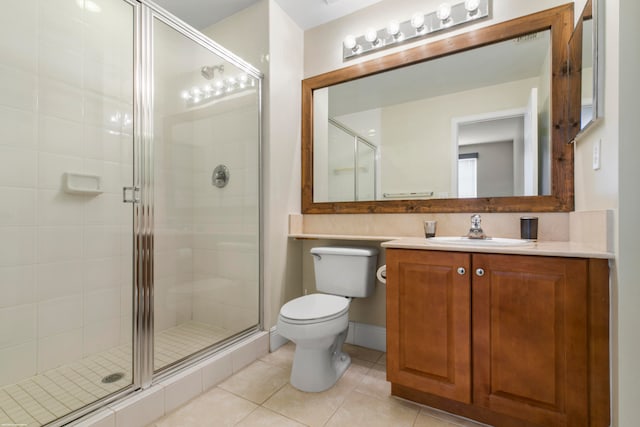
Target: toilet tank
<point>346,271</point>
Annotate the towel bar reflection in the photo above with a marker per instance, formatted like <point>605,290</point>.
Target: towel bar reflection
<point>409,194</point>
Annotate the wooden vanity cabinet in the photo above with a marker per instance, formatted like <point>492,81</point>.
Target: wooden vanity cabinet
<point>510,340</point>
<point>428,313</point>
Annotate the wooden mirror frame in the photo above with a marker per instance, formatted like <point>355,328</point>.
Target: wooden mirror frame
<point>559,20</point>
<point>592,10</point>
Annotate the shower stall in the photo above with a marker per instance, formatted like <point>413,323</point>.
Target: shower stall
<point>130,215</point>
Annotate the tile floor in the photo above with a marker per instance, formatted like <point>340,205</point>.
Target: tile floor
<point>44,397</point>
<point>260,395</point>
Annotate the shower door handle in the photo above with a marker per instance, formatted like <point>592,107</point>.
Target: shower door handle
<point>130,194</point>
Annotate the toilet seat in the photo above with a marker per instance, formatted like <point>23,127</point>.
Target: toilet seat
<point>314,308</point>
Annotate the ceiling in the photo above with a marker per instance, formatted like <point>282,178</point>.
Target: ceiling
<point>306,13</point>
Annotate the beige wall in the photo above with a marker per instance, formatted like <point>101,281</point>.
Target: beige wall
<point>416,157</point>
<point>615,186</point>
<point>282,263</point>
<point>231,33</point>
<point>628,291</point>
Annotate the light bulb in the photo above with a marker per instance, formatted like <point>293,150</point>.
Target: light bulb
<point>349,42</point>
<point>371,35</point>
<point>243,78</point>
<point>185,95</point>
<point>393,28</point>
<point>219,84</point>
<point>417,21</point>
<point>472,5</point>
<point>444,11</point>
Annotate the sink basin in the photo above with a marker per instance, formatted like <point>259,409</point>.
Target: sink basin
<point>492,241</point>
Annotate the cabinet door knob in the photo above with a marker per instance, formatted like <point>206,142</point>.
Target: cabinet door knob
<point>461,271</point>
<point>479,272</point>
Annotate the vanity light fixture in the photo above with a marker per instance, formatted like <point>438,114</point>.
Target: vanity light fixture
<point>472,6</point>
<point>351,44</point>
<point>371,35</point>
<point>417,22</point>
<point>446,16</point>
<point>444,12</point>
<point>393,29</point>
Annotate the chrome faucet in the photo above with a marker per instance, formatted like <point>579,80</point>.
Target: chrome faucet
<point>476,232</point>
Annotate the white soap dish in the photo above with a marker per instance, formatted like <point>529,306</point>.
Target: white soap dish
<point>82,183</point>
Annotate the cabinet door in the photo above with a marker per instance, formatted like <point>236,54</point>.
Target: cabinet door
<point>428,322</point>
<point>530,338</point>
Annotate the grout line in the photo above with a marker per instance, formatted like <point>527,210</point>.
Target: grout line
<point>75,385</point>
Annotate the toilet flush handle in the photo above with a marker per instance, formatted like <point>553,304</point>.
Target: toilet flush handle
<point>317,256</point>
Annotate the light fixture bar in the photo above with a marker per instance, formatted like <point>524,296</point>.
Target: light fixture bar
<point>445,17</point>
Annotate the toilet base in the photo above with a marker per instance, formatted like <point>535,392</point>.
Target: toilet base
<point>328,366</point>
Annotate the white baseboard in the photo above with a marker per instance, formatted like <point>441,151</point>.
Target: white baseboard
<point>369,336</point>
<point>275,339</point>
<point>362,334</point>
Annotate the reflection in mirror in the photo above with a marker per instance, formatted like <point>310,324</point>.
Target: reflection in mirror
<point>586,89</point>
<point>474,124</point>
<point>416,123</point>
<point>586,70</point>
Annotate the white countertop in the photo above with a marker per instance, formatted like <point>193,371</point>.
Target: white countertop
<point>314,236</point>
<point>550,248</point>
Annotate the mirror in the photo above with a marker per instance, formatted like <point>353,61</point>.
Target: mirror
<point>467,134</point>
<point>586,68</point>
<point>376,137</point>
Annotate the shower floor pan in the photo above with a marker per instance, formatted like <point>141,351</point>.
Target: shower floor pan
<point>52,394</point>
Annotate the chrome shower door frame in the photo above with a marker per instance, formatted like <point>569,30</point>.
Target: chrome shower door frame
<point>144,375</point>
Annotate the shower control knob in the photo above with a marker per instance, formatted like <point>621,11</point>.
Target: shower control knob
<point>461,271</point>
<point>479,272</point>
<point>220,177</point>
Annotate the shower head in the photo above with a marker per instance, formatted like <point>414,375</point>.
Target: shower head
<point>208,71</point>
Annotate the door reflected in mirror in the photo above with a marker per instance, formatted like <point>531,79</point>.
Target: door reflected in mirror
<point>473,124</point>
<point>586,71</point>
<point>586,90</point>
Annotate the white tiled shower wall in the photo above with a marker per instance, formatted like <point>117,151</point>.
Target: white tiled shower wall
<point>206,246</point>
<point>65,260</point>
<point>206,243</point>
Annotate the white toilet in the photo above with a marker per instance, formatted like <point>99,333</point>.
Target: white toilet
<point>318,323</point>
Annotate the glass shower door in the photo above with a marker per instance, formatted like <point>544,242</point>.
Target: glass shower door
<point>66,151</point>
<point>341,173</point>
<point>206,196</point>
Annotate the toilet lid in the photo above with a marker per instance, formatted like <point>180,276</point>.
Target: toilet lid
<point>315,306</point>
